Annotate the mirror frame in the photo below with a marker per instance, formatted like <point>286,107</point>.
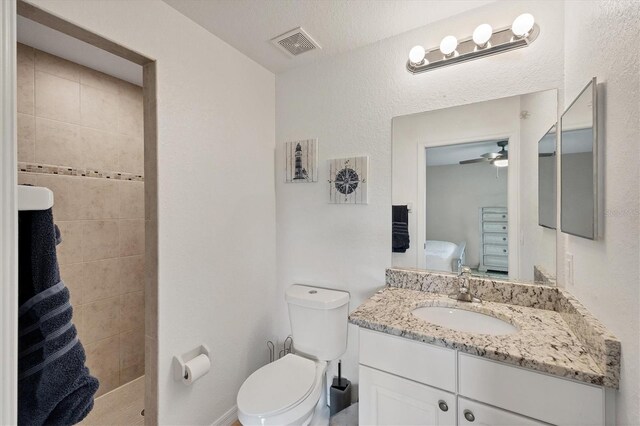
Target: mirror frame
<point>594,147</point>
<point>555,189</point>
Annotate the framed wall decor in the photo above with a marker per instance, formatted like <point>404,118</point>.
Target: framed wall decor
<point>348,179</point>
<point>301,161</point>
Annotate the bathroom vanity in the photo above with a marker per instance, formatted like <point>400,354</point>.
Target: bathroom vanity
<point>538,357</point>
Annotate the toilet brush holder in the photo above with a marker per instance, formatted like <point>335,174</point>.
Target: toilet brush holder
<point>339,395</point>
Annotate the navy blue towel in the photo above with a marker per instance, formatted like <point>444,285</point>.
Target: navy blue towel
<point>400,229</point>
<point>54,385</point>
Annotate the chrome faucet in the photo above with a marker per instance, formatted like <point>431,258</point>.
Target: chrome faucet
<point>464,291</point>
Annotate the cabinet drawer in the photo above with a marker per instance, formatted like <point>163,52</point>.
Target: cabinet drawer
<point>494,210</point>
<point>494,217</point>
<point>473,413</point>
<point>386,399</point>
<point>540,396</point>
<point>494,227</point>
<point>497,238</point>
<point>497,250</point>
<point>416,361</point>
<point>500,261</point>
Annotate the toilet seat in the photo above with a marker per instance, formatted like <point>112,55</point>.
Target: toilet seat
<point>283,392</point>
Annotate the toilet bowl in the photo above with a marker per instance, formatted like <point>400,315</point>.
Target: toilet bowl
<point>292,390</point>
<point>285,392</point>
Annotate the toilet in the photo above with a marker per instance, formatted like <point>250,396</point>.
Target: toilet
<point>292,390</point>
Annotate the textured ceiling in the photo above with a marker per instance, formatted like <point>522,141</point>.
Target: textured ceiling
<point>337,25</point>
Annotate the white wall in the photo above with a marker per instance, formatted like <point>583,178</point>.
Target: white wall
<point>216,208</point>
<point>348,102</point>
<point>538,244</point>
<point>602,39</point>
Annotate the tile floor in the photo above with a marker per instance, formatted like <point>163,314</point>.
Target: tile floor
<point>120,407</point>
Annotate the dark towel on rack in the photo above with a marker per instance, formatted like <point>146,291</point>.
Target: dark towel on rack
<point>54,385</point>
<point>400,229</point>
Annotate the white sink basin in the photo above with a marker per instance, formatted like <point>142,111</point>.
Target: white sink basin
<point>461,320</point>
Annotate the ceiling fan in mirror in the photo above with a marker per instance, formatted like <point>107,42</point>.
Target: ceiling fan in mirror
<point>498,159</point>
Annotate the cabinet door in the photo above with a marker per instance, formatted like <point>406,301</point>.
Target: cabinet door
<point>386,399</point>
<point>472,413</point>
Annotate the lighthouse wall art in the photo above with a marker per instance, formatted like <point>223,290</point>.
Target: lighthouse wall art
<point>348,180</point>
<point>301,161</point>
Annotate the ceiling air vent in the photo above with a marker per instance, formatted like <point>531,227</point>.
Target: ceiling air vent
<point>295,42</point>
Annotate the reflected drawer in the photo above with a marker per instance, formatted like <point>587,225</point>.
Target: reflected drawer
<point>496,238</point>
<point>494,227</point>
<point>495,217</point>
<point>495,249</point>
<point>494,210</point>
<point>501,261</point>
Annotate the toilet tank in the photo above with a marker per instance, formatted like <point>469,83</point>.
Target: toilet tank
<point>318,319</point>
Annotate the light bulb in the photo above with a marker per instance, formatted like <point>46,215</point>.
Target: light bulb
<point>522,25</point>
<point>416,55</point>
<point>501,162</point>
<point>448,45</point>
<point>482,34</point>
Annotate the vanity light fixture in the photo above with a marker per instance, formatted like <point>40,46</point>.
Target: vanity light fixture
<point>485,41</point>
<point>481,36</point>
<point>416,55</point>
<point>448,46</point>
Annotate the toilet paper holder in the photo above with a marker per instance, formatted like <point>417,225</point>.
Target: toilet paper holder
<point>179,361</point>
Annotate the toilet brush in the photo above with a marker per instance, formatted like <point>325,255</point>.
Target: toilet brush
<point>340,392</point>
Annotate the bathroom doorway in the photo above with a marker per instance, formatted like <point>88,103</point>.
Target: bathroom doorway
<point>86,130</point>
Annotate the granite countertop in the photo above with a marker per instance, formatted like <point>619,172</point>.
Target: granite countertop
<point>545,342</point>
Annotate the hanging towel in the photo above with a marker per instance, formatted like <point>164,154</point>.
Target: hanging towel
<point>400,229</point>
<point>54,385</point>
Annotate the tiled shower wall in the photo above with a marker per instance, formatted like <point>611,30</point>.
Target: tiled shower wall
<point>92,124</point>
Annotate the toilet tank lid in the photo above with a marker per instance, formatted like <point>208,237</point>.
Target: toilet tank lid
<point>315,297</point>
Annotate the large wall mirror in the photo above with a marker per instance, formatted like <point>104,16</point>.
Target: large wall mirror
<point>579,143</point>
<point>547,179</point>
<point>465,188</point>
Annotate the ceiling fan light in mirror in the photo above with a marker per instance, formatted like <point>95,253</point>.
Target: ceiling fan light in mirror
<point>523,25</point>
<point>500,162</point>
<point>417,55</point>
<point>482,34</point>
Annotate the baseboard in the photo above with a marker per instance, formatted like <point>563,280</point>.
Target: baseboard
<point>228,418</point>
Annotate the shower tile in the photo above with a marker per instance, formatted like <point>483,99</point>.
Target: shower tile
<point>26,137</point>
<point>128,374</point>
<point>57,66</point>
<point>131,274</point>
<point>132,350</point>
<point>58,143</point>
<point>99,80</point>
<point>103,360</point>
<point>27,179</point>
<point>26,87</point>
<point>130,119</point>
<point>99,108</point>
<point>71,274</point>
<point>100,280</point>
<point>101,200</point>
<point>25,54</point>
<point>70,249</point>
<point>131,154</point>
<point>67,193</point>
<point>100,149</point>
<point>131,237</point>
<point>57,98</point>
<point>132,311</point>
<point>100,239</point>
<point>131,200</point>
<point>101,319</point>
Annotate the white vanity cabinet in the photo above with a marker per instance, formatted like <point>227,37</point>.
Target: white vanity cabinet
<point>404,382</point>
<point>392,400</point>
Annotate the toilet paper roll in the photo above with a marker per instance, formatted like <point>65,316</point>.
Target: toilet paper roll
<point>196,368</point>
